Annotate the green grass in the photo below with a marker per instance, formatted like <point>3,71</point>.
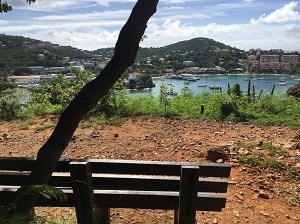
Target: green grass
<point>267,110</point>
<point>260,160</point>
<point>275,150</point>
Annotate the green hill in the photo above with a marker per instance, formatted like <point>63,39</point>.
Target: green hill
<point>19,53</point>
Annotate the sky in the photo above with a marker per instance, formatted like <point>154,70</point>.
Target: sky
<point>94,24</point>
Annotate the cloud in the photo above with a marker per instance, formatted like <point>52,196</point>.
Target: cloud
<point>3,22</point>
<point>244,36</point>
<point>75,17</point>
<point>285,14</point>
<point>71,26</point>
<point>175,8</point>
<point>89,38</point>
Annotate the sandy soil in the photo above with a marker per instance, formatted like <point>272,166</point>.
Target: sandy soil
<point>178,140</point>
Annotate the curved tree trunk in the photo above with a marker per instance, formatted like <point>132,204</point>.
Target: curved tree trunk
<point>124,56</point>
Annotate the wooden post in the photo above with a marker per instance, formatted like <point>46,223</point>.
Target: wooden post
<point>104,215</point>
<point>83,191</point>
<point>188,194</point>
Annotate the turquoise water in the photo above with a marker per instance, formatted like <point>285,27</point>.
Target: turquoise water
<point>261,82</point>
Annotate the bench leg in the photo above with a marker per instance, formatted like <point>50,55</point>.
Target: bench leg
<point>188,195</point>
<point>102,216</point>
<point>83,191</point>
<point>175,216</point>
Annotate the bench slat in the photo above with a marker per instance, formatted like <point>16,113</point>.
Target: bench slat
<point>128,199</point>
<point>155,200</point>
<point>126,182</point>
<point>123,166</point>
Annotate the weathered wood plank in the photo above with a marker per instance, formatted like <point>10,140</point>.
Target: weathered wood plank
<point>188,195</point>
<point>83,191</point>
<point>125,182</point>
<point>122,166</point>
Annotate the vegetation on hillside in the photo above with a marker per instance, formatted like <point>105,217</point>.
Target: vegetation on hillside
<point>18,53</point>
<point>294,91</point>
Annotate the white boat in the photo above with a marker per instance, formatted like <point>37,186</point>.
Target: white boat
<point>215,87</point>
<point>282,83</point>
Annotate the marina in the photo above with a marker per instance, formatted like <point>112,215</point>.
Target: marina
<point>218,82</point>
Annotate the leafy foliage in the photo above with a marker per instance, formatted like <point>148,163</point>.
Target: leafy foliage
<point>145,81</point>
<point>60,90</point>
<point>10,106</point>
<point>46,191</point>
<point>294,91</point>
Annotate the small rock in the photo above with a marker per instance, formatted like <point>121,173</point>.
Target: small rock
<point>240,197</point>
<point>263,195</point>
<point>264,213</point>
<point>243,151</point>
<point>215,221</point>
<point>271,176</point>
<point>219,132</point>
<point>89,133</point>
<point>116,135</point>
<point>220,161</point>
<point>234,160</point>
<point>260,143</point>
<point>297,165</point>
<point>236,213</point>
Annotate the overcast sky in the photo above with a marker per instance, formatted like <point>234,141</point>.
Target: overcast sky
<point>93,24</point>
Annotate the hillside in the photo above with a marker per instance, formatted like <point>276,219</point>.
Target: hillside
<point>193,45</point>
<point>204,52</point>
<point>18,53</point>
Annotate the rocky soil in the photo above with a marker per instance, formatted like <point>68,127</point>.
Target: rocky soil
<point>263,196</point>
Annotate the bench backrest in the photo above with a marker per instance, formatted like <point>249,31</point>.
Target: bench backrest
<point>125,183</point>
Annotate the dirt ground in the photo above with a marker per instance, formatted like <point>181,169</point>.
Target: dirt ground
<point>266,197</point>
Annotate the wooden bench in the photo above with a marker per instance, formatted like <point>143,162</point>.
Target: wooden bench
<point>97,185</point>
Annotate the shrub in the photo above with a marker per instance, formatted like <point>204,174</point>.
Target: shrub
<point>294,91</point>
<point>10,106</point>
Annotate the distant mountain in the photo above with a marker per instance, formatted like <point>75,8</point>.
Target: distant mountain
<point>18,52</point>
<point>194,45</point>
<point>202,51</point>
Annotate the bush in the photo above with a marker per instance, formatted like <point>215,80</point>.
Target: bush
<point>294,91</point>
<point>10,106</point>
<point>60,90</point>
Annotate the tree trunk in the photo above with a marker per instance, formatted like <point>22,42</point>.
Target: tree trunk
<point>125,53</point>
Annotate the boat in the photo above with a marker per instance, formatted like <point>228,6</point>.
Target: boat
<point>172,93</point>
<point>282,83</point>
<point>202,85</point>
<point>193,79</point>
<point>215,87</point>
